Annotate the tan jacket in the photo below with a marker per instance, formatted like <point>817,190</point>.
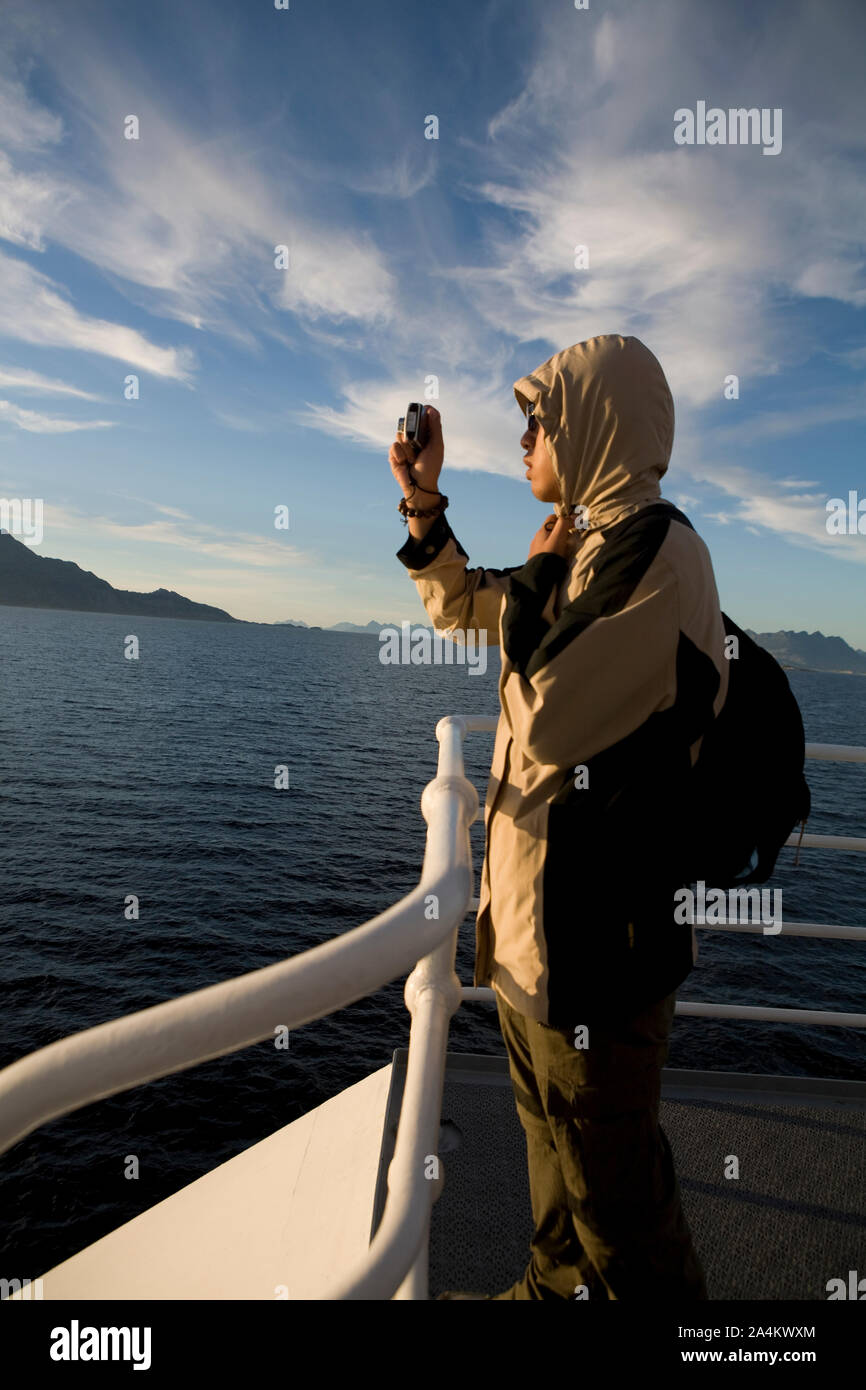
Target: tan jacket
<point>612,666</point>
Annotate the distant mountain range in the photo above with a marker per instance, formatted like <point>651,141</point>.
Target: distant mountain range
<point>798,651</point>
<point>28,580</point>
<point>804,651</point>
<point>812,651</point>
<point>371,627</point>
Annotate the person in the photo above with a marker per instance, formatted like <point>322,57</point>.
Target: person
<point>613,666</point>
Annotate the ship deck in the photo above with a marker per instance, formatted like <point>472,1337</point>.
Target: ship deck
<point>794,1219</point>
<point>287,1216</point>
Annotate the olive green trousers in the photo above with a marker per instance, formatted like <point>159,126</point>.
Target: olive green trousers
<point>605,1197</point>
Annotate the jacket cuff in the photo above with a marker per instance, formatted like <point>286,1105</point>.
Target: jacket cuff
<point>417,554</point>
<point>523,626</point>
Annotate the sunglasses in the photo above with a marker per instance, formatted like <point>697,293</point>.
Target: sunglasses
<point>531,422</point>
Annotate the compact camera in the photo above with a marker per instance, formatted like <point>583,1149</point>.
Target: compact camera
<point>415,426</point>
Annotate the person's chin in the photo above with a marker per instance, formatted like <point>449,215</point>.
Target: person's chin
<point>538,491</point>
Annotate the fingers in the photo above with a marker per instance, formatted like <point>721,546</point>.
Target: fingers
<point>433,424</point>
<point>400,452</point>
<point>400,465</point>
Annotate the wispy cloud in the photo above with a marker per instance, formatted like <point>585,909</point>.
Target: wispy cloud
<point>27,202</point>
<point>242,423</point>
<point>20,379</point>
<point>188,220</point>
<point>401,179</point>
<point>35,423</point>
<point>668,260</point>
<point>757,501</point>
<point>243,549</point>
<point>24,124</point>
<point>33,309</point>
<point>781,424</point>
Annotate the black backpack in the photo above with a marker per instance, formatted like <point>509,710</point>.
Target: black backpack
<point>747,790</point>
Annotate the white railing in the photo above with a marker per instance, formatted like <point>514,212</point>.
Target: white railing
<point>421,931</point>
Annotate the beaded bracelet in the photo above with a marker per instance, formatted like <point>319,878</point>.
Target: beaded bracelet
<point>406,511</point>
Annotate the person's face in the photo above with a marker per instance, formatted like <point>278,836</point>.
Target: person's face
<point>539,469</point>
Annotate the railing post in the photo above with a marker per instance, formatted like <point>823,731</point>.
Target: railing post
<point>437,972</point>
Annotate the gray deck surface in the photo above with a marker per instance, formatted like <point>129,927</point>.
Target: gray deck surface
<point>794,1219</point>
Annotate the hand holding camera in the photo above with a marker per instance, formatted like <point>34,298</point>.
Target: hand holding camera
<point>417,453</point>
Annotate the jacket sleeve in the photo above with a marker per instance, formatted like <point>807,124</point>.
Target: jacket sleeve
<point>455,597</point>
<point>582,683</point>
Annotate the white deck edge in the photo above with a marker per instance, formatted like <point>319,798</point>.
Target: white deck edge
<point>283,1219</point>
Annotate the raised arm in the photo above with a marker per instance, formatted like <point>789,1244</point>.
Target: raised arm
<point>456,598</point>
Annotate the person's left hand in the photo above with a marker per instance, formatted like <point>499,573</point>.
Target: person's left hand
<point>552,538</point>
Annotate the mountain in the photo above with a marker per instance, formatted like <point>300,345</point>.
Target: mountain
<point>812,651</point>
<point>372,626</point>
<point>291,622</point>
<point>804,651</point>
<point>28,580</point>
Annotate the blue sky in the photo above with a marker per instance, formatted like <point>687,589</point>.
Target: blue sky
<point>412,258</point>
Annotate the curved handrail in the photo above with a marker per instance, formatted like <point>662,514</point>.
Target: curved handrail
<point>223,1018</point>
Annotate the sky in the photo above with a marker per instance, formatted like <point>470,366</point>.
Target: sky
<point>418,264</point>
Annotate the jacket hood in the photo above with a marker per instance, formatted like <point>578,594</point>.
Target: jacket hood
<point>608,420</point>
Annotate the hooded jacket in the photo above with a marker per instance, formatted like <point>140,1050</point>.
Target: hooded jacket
<point>613,666</point>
